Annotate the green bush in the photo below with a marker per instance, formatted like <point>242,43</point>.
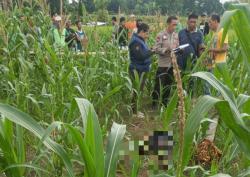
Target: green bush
<point>102,15</point>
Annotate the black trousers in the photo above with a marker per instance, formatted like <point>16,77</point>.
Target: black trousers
<point>163,81</point>
<point>142,77</point>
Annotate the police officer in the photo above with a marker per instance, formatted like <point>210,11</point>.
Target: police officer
<point>165,42</point>
<point>140,61</point>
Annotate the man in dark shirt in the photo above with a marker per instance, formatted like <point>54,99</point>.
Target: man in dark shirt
<point>192,36</point>
<point>140,61</point>
<point>204,26</point>
<point>122,35</point>
<point>70,36</point>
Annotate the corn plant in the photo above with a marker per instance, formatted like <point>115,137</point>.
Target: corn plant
<point>43,83</point>
<point>226,81</point>
<point>229,109</point>
<point>29,123</point>
<point>91,146</point>
<point>95,161</point>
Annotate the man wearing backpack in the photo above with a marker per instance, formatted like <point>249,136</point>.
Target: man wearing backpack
<point>194,37</point>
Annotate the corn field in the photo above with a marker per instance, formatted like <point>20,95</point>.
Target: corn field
<point>63,114</point>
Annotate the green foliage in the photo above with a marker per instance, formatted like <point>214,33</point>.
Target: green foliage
<point>102,15</point>
<point>93,137</point>
<point>43,83</point>
<point>81,9</point>
<point>201,108</point>
<point>91,146</point>
<point>147,7</point>
<point>229,112</point>
<point>169,111</point>
<point>229,109</point>
<point>30,124</point>
<point>239,21</point>
<point>114,140</point>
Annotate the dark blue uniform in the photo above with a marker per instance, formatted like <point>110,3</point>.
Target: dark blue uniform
<point>140,61</point>
<point>139,54</point>
<point>194,39</point>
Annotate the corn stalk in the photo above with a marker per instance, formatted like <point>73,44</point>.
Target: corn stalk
<point>181,111</point>
<point>61,8</point>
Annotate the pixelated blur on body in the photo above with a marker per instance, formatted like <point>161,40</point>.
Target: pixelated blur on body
<point>157,145</point>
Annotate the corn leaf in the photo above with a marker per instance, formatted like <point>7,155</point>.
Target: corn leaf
<point>111,93</point>
<point>169,111</point>
<point>222,71</point>
<point>35,168</point>
<point>239,22</point>
<point>114,141</point>
<point>241,132</point>
<point>226,93</point>
<point>24,120</point>
<point>84,149</point>
<point>92,130</point>
<point>203,105</point>
<point>242,100</point>
<point>8,157</point>
<point>245,7</point>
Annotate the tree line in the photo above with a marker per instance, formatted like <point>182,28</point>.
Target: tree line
<point>138,7</point>
<point>150,7</point>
